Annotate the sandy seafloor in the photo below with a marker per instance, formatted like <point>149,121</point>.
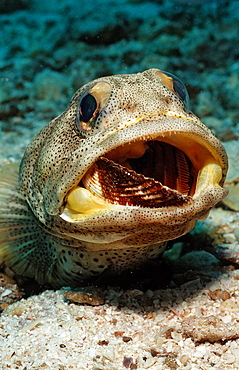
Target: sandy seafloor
<point>48,49</point>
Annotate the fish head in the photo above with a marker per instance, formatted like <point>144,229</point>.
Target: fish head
<point>127,164</point>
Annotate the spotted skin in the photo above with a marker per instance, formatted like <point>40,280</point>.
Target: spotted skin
<point>39,239</point>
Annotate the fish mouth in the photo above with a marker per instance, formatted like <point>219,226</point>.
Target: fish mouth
<point>154,172</point>
<point>145,173</point>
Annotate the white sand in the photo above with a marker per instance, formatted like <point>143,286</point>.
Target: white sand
<point>131,329</point>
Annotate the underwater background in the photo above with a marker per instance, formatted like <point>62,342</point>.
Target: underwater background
<point>50,48</point>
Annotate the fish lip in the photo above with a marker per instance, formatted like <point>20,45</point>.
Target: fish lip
<point>212,153</point>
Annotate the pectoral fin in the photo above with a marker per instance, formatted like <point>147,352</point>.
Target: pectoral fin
<point>21,239</point>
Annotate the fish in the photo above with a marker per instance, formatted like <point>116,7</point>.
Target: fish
<point>103,187</point>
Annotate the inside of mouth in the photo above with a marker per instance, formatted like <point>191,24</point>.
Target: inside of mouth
<point>143,173</point>
<point>160,161</point>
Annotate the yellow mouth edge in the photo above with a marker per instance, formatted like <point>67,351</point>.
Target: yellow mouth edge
<point>82,204</point>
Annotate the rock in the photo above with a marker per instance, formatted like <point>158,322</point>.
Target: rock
<point>209,328</point>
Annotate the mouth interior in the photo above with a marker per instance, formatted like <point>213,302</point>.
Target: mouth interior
<point>166,164</point>
<point>144,173</point>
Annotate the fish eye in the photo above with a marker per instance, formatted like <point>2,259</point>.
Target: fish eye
<point>86,113</point>
<point>90,105</point>
<point>87,107</point>
<point>176,86</point>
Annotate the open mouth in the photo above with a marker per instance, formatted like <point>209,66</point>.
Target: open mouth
<point>144,173</point>
<point>151,173</point>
